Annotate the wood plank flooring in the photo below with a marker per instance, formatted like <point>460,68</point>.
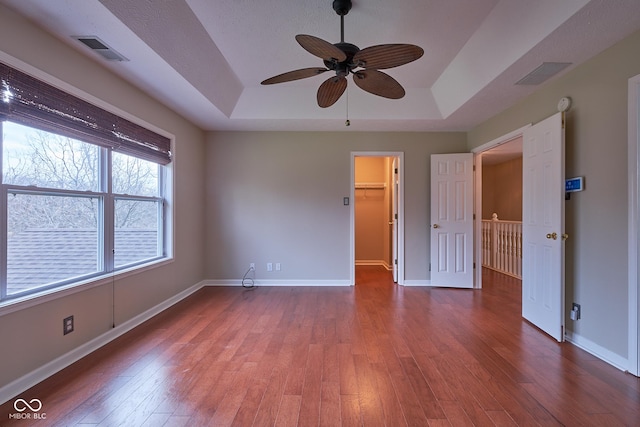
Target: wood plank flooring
<point>374,354</point>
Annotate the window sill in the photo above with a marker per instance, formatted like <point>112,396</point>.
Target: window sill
<point>27,301</point>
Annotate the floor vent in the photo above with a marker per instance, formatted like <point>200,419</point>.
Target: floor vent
<point>98,46</point>
<point>543,72</point>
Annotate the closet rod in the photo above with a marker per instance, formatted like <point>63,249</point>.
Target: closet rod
<point>371,185</point>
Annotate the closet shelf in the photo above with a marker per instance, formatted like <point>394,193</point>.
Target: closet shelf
<point>370,185</point>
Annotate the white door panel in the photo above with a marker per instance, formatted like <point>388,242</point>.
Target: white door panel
<point>543,226</point>
<point>452,220</point>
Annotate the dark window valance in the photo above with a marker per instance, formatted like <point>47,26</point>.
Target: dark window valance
<point>29,101</point>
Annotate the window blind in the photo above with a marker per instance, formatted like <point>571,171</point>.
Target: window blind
<point>29,101</point>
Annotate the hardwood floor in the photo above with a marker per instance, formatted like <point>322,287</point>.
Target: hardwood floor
<point>373,354</point>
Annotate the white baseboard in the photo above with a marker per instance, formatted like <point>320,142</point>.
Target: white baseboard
<point>417,282</point>
<point>601,353</point>
<point>27,381</point>
<point>275,282</point>
<point>375,262</point>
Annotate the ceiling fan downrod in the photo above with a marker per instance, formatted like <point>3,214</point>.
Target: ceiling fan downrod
<point>342,7</point>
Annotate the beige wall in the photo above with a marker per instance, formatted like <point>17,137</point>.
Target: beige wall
<point>502,190</point>
<point>277,197</point>
<point>596,219</point>
<point>33,336</point>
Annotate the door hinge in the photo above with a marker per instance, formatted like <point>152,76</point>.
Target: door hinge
<point>395,171</point>
<point>474,216</point>
<point>395,216</point>
<point>395,261</point>
<point>474,265</point>
<point>429,266</point>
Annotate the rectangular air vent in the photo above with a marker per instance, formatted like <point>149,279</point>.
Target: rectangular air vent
<point>543,72</point>
<point>98,46</point>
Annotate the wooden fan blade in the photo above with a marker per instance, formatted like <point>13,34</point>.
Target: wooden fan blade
<point>378,83</point>
<point>320,48</point>
<point>387,56</point>
<point>303,73</point>
<point>331,90</point>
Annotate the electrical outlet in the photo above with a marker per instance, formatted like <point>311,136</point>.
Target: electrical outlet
<point>67,325</point>
<point>277,266</point>
<point>252,266</point>
<point>269,266</point>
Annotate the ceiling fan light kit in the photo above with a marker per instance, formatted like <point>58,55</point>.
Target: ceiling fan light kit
<point>346,58</point>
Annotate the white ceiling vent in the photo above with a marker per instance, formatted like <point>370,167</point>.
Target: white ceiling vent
<point>98,46</point>
<point>543,72</point>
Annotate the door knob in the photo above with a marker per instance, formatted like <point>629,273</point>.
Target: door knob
<point>565,236</point>
<point>553,236</point>
<point>436,226</point>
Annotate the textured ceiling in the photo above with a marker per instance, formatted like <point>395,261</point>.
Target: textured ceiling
<point>206,59</point>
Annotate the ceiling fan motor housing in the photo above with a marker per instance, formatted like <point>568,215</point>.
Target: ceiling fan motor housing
<point>342,7</point>
<point>343,68</point>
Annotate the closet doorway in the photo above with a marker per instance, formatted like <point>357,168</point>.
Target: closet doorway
<point>377,221</point>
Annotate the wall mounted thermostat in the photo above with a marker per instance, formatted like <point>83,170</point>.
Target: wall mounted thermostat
<point>572,185</point>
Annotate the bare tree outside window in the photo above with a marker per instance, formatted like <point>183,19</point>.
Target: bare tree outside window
<point>134,176</point>
<point>47,161</point>
<point>56,161</point>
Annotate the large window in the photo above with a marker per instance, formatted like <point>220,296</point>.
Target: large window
<point>73,207</point>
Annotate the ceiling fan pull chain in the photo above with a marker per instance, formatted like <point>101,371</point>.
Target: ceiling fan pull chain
<point>347,122</point>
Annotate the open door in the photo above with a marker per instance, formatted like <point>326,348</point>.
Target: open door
<point>394,220</point>
<point>452,220</point>
<point>543,226</point>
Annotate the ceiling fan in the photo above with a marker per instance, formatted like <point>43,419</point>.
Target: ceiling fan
<point>346,58</point>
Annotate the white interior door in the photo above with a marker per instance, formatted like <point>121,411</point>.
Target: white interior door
<point>543,226</point>
<point>452,220</point>
<point>394,220</point>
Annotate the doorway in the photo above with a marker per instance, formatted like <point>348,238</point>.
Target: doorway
<point>501,213</point>
<point>377,214</point>
<point>508,146</point>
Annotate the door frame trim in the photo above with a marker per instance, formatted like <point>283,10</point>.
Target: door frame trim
<point>352,219</point>
<point>633,352</point>
<point>477,202</point>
